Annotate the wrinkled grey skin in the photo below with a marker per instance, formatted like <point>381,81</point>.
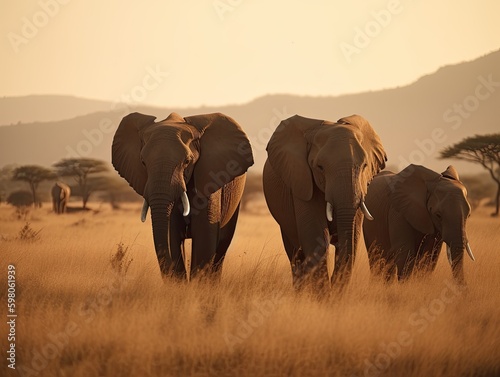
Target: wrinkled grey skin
<point>416,211</point>
<point>191,173</point>
<point>311,165</point>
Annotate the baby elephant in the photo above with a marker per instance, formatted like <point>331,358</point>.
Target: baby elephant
<point>414,212</point>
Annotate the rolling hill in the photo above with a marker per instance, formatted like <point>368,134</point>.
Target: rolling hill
<point>414,121</point>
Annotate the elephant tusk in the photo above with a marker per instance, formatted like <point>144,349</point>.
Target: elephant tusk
<point>367,213</point>
<point>144,212</point>
<point>469,251</point>
<point>329,211</point>
<point>185,204</point>
<point>448,253</point>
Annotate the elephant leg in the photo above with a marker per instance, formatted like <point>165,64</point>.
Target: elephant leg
<point>177,235</point>
<point>403,252</point>
<point>314,239</point>
<point>296,257</point>
<point>205,231</point>
<point>376,259</point>
<point>428,254</point>
<point>436,250</point>
<point>226,236</point>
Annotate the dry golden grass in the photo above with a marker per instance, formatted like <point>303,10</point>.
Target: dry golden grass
<point>78,317</point>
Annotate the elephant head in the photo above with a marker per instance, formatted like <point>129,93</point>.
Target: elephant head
<point>340,159</point>
<point>160,160</point>
<point>436,203</point>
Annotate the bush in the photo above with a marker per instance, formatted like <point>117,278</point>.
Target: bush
<point>20,198</point>
<point>27,233</point>
<point>119,260</point>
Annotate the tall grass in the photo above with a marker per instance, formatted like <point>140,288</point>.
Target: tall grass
<point>78,317</point>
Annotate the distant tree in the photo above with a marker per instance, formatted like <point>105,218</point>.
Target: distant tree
<point>33,175</point>
<point>479,187</point>
<point>116,190</point>
<point>81,169</point>
<point>483,150</point>
<point>5,178</point>
<point>20,198</point>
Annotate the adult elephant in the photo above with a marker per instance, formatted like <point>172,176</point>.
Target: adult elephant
<point>60,197</point>
<point>315,180</point>
<point>416,211</point>
<point>191,172</point>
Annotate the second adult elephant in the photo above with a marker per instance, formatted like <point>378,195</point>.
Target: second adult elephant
<point>191,173</point>
<point>416,211</point>
<point>60,197</point>
<point>315,180</point>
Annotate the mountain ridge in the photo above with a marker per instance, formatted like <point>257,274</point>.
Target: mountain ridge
<point>406,118</point>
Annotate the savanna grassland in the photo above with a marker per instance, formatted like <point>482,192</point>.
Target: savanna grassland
<point>85,310</point>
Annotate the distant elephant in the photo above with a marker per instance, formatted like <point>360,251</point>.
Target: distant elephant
<point>191,172</point>
<point>315,180</point>
<point>60,197</point>
<point>416,211</point>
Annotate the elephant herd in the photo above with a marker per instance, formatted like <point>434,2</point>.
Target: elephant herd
<point>320,180</point>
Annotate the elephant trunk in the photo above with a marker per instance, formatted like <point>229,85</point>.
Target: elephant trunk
<point>457,263</point>
<point>344,195</point>
<point>161,210</point>
<point>456,250</point>
<point>163,197</point>
<point>345,251</point>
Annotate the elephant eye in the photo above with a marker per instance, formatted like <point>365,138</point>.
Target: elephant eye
<point>363,168</point>
<point>320,167</point>
<point>438,215</point>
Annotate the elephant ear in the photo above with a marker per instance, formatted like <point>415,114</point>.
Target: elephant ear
<point>410,195</point>
<point>225,152</point>
<point>376,155</point>
<point>451,173</point>
<point>287,152</point>
<point>126,150</point>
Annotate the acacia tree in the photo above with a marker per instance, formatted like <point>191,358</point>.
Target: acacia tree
<point>80,169</point>
<point>33,175</point>
<point>483,150</point>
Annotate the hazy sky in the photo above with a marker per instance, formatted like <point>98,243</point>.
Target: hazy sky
<point>188,53</point>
